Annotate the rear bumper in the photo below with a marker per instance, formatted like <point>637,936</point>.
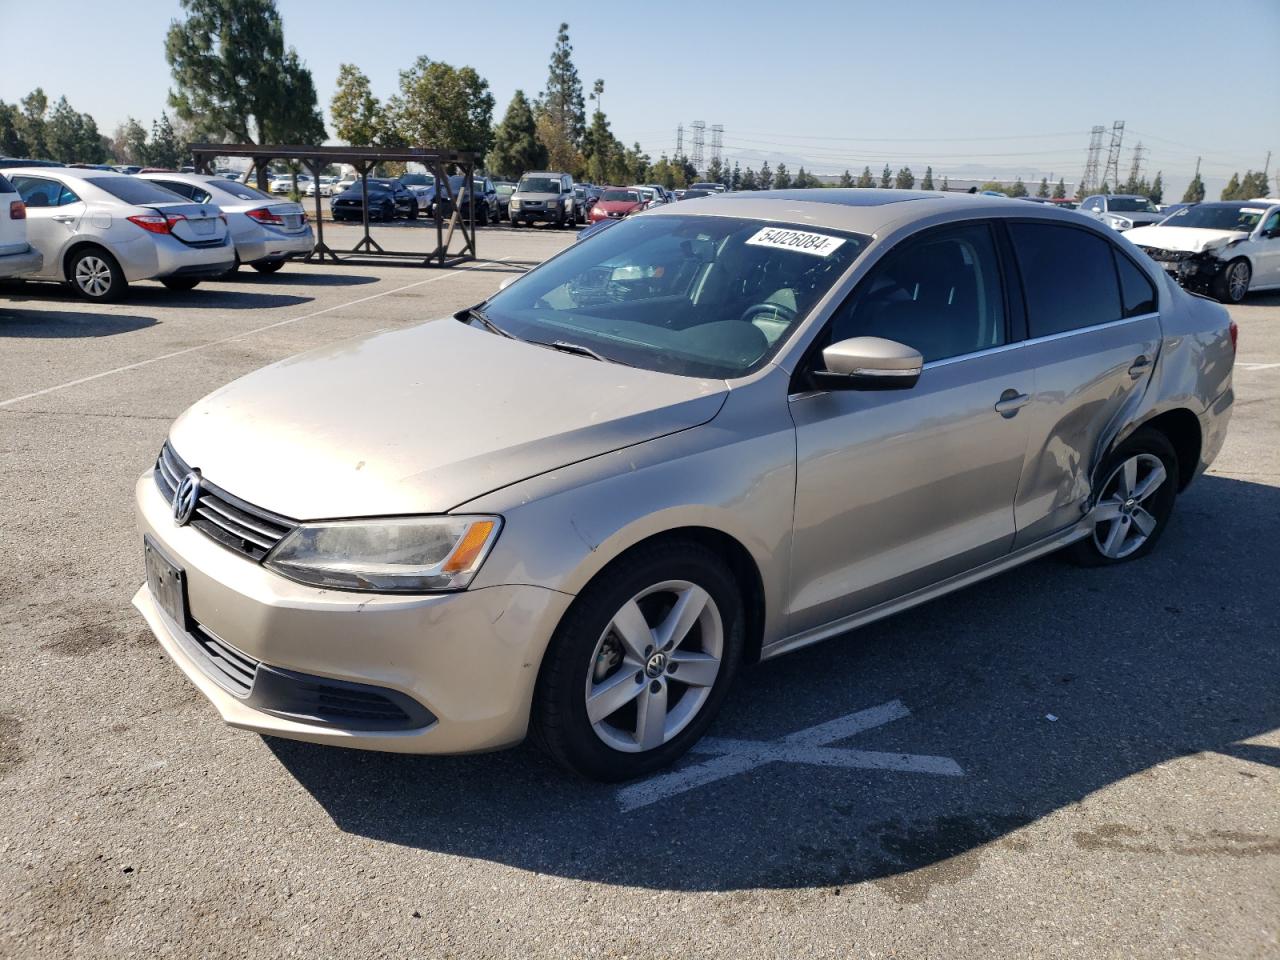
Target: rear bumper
<point>271,245</point>
<point>1213,429</point>
<point>154,257</point>
<point>22,264</point>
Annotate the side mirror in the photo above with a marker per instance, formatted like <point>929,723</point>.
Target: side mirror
<point>869,363</point>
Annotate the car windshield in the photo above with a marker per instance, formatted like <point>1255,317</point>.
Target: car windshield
<point>132,190</point>
<point>539,185</point>
<point>238,191</point>
<point>621,196</point>
<point>417,180</point>
<point>1130,205</point>
<point>694,296</point>
<point>377,185</point>
<point>504,189</point>
<point>1218,216</point>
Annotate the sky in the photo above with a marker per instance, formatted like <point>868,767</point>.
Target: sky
<point>973,88</point>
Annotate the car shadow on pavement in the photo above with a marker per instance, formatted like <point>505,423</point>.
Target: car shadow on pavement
<point>302,276</point>
<point>67,324</point>
<point>145,294</point>
<point>1045,685</point>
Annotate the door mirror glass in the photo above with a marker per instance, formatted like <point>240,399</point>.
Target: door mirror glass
<point>869,363</point>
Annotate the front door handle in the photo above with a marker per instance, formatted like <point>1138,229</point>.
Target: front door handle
<point>1140,366</point>
<point>1010,402</point>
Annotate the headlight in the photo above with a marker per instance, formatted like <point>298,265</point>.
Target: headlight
<point>1121,223</point>
<point>406,555</point>
<point>515,203</point>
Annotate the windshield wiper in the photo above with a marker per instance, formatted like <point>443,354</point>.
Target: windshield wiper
<point>564,346</point>
<point>475,313</point>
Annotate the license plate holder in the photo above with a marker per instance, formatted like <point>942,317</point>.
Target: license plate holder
<point>202,228</point>
<point>167,582</point>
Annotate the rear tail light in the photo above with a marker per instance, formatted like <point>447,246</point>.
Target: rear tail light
<point>17,210</point>
<point>157,222</point>
<point>263,215</point>
<point>1235,335</point>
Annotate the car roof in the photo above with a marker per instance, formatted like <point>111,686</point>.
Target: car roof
<point>859,210</point>
<point>69,173</point>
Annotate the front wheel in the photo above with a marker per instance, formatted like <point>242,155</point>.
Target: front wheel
<point>483,219</point>
<point>1139,486</point>
<point>95,275</point>
<point>641,663</point>
<point>1232,283</point>
<point>268,266</point>
<point>413,210</point>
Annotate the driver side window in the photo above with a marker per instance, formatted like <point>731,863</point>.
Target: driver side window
<point>940,293</point>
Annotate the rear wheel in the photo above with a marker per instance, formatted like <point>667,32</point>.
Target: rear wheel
<point>268,266</point>
<point>483,219</point>
<point>95,275</point>
<point>231,270</point>
<point>1135,501</point>
<point>413,210</point>
<point>1232,283</point>
<point>641,663</point>
<point>180,283</point>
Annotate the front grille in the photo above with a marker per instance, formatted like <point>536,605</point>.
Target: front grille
<point>239,526</point>
<point>229,668</point>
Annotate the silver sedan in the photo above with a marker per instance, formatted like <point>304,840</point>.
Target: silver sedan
<point>717,432</point>
<point>266,231</point>
<point>99,231</point>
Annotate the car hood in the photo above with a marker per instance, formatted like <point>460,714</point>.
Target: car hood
<point>423,419</point>
<point>1191,239</point>
<point>1137,216</point>
<point>617,206</point>
<point>545,197</point>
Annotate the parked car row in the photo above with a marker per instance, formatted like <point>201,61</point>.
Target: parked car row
<point>98,230</point>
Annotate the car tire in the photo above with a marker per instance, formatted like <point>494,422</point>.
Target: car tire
<point>1232,283</point>
<point>514,223</point>
<point>95,275</point>
<point>588,659</point>
<point>482,219</point>
<point>1139,484</point>
<point>413,210</point>
<point>180,284</point>
<point>232,270</point>
<point>268,266</point>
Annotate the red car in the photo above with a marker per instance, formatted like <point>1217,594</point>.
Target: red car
<point>616,203</point>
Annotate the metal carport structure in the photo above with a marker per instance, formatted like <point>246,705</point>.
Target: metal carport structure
<point>364,159</point>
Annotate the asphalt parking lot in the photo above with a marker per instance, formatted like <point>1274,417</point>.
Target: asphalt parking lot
<point>1055,763</point>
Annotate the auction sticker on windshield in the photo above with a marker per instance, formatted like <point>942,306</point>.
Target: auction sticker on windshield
<point>816,244</point>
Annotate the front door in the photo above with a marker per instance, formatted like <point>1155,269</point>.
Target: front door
<point>899,489</point>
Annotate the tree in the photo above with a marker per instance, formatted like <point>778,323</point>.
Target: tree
<point>946,183</point>
<point>356,112</point>
<point>129,143</point>
<point>927,182</point>
<point>735,178</point>
<point>1105,188</point>
<point>865,179</point>
<point>1060,191</point>
<point>766,176</point>
<point>73,137</point>
<point>516,147</point>
<point>846,180</point>
<point>1019,189</point>
<point>561,111</point>
<point>886,178</point>
<point>1253,186</point>
<point>11,142</point>
<point>1156,193</point>
<point>905,179</point>
<point>1044,187</point>
<point>1232,190</point>
<point>35,106</point>
<point>749,181</point>
<point>440,105</point>
<point>781,179</point>
<point>1195,190</point>
<point>165,149</point>
<point>715,170</point>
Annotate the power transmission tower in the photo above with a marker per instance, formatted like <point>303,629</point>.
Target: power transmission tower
<point>1089,182</point>
<point>1111,174</point>
<point>1135,169</point>
<point>717,141</point>
<point>680,140</point>
<point>699,130</point>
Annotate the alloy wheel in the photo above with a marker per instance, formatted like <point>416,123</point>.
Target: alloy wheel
<point>654,665</point>
<point>93,275</point>
<point>1238,281</point>
<point>1122,524</point>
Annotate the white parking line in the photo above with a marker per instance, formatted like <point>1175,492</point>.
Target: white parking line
<point>239,336</point>
<point>1257,366</point>
<point>808,746</point>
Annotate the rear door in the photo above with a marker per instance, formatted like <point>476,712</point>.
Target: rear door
<point>54,211</point>
<point>1266,262</point>
<point>1094,333</point>
<point>13,230</point>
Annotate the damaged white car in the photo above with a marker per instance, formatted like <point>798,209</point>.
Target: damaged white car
<point>1225,249</point>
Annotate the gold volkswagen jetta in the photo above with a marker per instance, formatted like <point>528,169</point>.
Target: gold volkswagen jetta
<point>716,432</point>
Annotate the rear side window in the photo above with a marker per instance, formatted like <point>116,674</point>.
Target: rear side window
<point>1135,288</point>
<point>6,186</point>
<point>941,294</point>
<point>133,190</point>
<point>240,191</point>
<point>1068,275</point>
<point>39,192</point>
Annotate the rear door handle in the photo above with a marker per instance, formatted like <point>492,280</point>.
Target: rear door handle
<point>1010,402</point>
<point>1140,366</point>
<point>63,218</point>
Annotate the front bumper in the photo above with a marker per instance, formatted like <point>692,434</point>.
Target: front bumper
<point>469,659</point>
<point>24,264</point>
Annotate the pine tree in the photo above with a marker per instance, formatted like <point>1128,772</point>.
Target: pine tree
<point>165,149</point>
<point>1044,187</point>
<point>715,170</point>
<point>781,179</point>
<point>1232,190</point>
<point>735,178</point>
<point>516,147</point>
<point>905,179</point>
<point>801,181</point>
<point>946,184</point>
<point>886,178</point>
<point>765,176</point>
<point>1156,193</point>
<point>1019,189</point>
<point>1060,191</point>
<point>846,180</point>
<point>561,111</point>
<point>748,180</point>
<point>865,179</point>
<point>927,182</point>
<point>1195,190</point>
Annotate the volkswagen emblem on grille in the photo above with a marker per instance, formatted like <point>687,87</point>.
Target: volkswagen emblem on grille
<point>185,497</point>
